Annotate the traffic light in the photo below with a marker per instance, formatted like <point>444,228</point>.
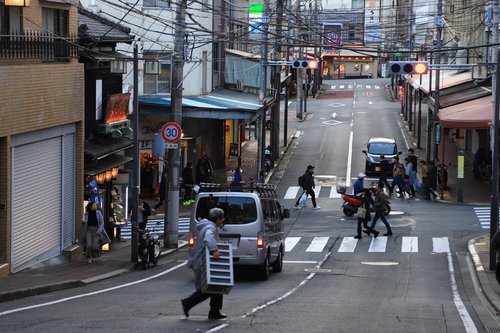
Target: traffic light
<point>408,67</point>
<point>307,64</point>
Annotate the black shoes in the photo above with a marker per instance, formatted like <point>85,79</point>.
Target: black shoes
<point>388,234</point>
<point>375,234</point>
<point>185,308</point>
<point>367,232</point>
<point>358,237</point>
<point>216,315</point>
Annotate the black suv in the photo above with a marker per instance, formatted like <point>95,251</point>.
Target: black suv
<point>379,146</point>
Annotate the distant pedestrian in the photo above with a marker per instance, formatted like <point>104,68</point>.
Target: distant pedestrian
<point>161,190</point>
<point>397,174</point>
<point>93,231</point>
<point>204,170</point>
<point>187,182</point>
<point>206,234</point>
<point>308,186</point>
<point>262,177</point>
<point>384,172</point>
<point>144,212</point>
<point>366,203</point>
<point>359,184</point>
<point>477,162</point>
<point>236,183</point>
<point>430,181</point>
<point>408,179</point>
<point>379,207</point>
<point>414,170</point>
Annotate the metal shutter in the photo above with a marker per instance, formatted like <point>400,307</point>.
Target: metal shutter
<point>68,188</point>
<point>36,202</point>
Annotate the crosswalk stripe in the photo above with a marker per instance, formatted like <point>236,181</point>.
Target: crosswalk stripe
<point>378,244</point>
<point>377,87</point>
<point>291,192</point>
<point>157,226</point>
<point>333,193</point>
<point>368,86</point>
<point>409,244</point>
<point>483,215</point>
<point>332,87</point>
<point>348,244</point>
<point>341,86</point>
<point>317,189</point>
<point>440,245</point>
<point>290,243</point>
<point>317,244</point>
<point>350,86</point>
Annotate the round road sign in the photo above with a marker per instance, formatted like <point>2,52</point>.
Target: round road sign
<point>171,132</point>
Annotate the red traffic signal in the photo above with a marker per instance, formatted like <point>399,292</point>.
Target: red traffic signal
<point>311,64</point>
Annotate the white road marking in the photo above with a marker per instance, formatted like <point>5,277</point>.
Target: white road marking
<point>349,161</point>
<point>341,86</point>
<point>377,87</point>
<point>350,86</point>
<point>440,245</point>
<point>317,244</point>
<point>409,244</point>
<point>333,193</point>
<point>368,86</point>
<point>332,87</point>
<point>30,307</point>
<point>348,244</point>
<point>317,189</point>
<point>378,244</point>
<point>291,192</point>
<point>290,243</point>
<point>299,262</point>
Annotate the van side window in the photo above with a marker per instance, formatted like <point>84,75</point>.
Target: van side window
<point>237,210</point>
<point>265,209</point>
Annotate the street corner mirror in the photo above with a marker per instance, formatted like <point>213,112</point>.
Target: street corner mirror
<point>286,213</point>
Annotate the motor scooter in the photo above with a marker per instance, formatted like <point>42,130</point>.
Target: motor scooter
<point>149,248</point>
<point>353,202</point>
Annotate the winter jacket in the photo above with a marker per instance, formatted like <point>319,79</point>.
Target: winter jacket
<point>380,201</point>
<point>384,168</point>
<point>206,234</point>
<point>100,228</point>
<point>308,181</point>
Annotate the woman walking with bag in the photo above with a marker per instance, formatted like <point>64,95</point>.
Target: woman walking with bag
<point>364,214</point>
<point>379,207</point>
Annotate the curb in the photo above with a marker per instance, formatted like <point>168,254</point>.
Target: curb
<point>483,286</point>
<point>13,295</point>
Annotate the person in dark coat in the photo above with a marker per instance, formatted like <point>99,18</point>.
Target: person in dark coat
<point>188,182</point>
<point>366,202</point>
<point>236,183</point>
<point>385,168</point>
<point>204,170</point>
<point>308,186</point>
<point>430,181</point>
<point>379,208</point>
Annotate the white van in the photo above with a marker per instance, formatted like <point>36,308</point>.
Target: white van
<point>253,225</point>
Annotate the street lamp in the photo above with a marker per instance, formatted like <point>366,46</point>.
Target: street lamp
<point>135,125</point>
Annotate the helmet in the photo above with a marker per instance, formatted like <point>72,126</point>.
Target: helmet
<point>361,175</point>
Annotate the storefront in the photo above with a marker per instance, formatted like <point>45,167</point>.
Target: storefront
<point>345,64</point>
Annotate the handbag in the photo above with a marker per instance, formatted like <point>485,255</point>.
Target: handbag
<point>361,213</point>
<point>303,199</point>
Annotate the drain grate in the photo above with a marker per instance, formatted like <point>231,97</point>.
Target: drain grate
<point>493,329</point>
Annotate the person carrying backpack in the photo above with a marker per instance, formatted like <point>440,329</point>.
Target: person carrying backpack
<point>307,184</point>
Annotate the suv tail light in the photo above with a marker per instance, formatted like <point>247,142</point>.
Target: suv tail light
<point>191,241</point>
<point>260,240</point>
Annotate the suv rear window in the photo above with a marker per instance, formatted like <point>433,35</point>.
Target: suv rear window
<point>237,210</point>
<point>379,148</point>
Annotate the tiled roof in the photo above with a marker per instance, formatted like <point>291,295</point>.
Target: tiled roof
<point>100,28</point>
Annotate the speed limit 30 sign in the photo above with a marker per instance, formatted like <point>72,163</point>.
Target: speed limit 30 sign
<point>171,132</point>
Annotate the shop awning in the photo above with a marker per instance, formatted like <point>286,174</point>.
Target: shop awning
<point>94,167</point>
<point>101,147</point>
<point>224,104</point>
<point>446,80</point>
<point>477,113</point>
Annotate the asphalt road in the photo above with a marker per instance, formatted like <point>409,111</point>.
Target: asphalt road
<point>409,282</point>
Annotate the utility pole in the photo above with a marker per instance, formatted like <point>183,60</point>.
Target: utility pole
<point>300,90</point>
<point>494,135</point>
<point>439,29</point>
<point>276,70</point>
<point>174,155</point>
<point>261,123</point>
<point>135,163</point>
<point>287,89</point>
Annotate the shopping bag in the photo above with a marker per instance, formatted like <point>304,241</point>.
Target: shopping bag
<point>303,199</point>
<point>361,213</point>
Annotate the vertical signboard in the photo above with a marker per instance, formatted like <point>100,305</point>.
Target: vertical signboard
<point>256,18</point>
<point>373,27</point>
<point>332,36</point>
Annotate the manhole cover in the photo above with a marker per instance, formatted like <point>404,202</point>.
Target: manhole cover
<point>380,263</point>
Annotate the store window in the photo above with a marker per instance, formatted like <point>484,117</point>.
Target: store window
<point>156,3</point>
<point>159,84</point>
<point>358,4</point>
<point>10,20</point>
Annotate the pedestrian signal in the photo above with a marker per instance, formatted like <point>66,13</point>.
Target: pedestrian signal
<point>408,67</point>
<point>308,64</point>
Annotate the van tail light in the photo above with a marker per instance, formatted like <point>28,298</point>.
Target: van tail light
<point>191,241</point>
<point>260,240</point>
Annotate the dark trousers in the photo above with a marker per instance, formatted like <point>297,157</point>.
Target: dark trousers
<point>187,192</point>
<point>310,192</point>
<point>162,200</point>
<point>197,297</point>
<point>364,223</point>
<point>383,179</point>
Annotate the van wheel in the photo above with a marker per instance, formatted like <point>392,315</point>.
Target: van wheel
<point>264,269</point>
<point>278,264</point>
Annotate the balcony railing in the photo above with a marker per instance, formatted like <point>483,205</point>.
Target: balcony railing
<point>38,45</point>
